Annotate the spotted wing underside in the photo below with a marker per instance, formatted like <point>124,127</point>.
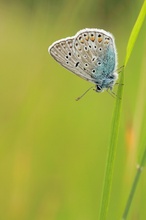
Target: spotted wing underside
<point>63,52</point>
<point>86,54</point>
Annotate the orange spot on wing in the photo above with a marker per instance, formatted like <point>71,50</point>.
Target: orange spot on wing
<point>87,38</point>
<point>92,38</point>
<point>99,39</point>
<point>106,41</point>
<point>82,41</point>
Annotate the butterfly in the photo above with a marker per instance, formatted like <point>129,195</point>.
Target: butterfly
<point>90,54</point>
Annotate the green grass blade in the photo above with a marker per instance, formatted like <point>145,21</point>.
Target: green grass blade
<point>111,153</point>
<point>116,121</point>
<point>135,182</point>
<point>135,31</point>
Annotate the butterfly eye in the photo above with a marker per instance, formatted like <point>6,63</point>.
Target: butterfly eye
<point>98,88</point>
<point>100,49</point>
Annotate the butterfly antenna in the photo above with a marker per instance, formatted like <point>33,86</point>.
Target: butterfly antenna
<point>77,99</point>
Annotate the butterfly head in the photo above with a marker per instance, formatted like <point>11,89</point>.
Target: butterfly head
<point>99,89</point>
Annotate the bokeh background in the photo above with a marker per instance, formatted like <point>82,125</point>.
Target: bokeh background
<point>53,149</point>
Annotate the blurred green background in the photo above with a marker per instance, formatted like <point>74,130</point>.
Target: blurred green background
<point>53,149</point>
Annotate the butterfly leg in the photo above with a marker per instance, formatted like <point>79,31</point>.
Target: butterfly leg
<point>77,99</point>
<point>113,94</point>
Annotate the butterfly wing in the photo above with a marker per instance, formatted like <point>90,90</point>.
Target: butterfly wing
<point>64,53</point>
<point>97,52</point>
<point>90,54</point>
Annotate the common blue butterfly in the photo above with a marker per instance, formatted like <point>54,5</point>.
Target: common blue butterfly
<point>90,54</point>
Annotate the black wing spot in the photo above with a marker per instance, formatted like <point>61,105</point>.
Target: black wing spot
<point>77,64</point>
